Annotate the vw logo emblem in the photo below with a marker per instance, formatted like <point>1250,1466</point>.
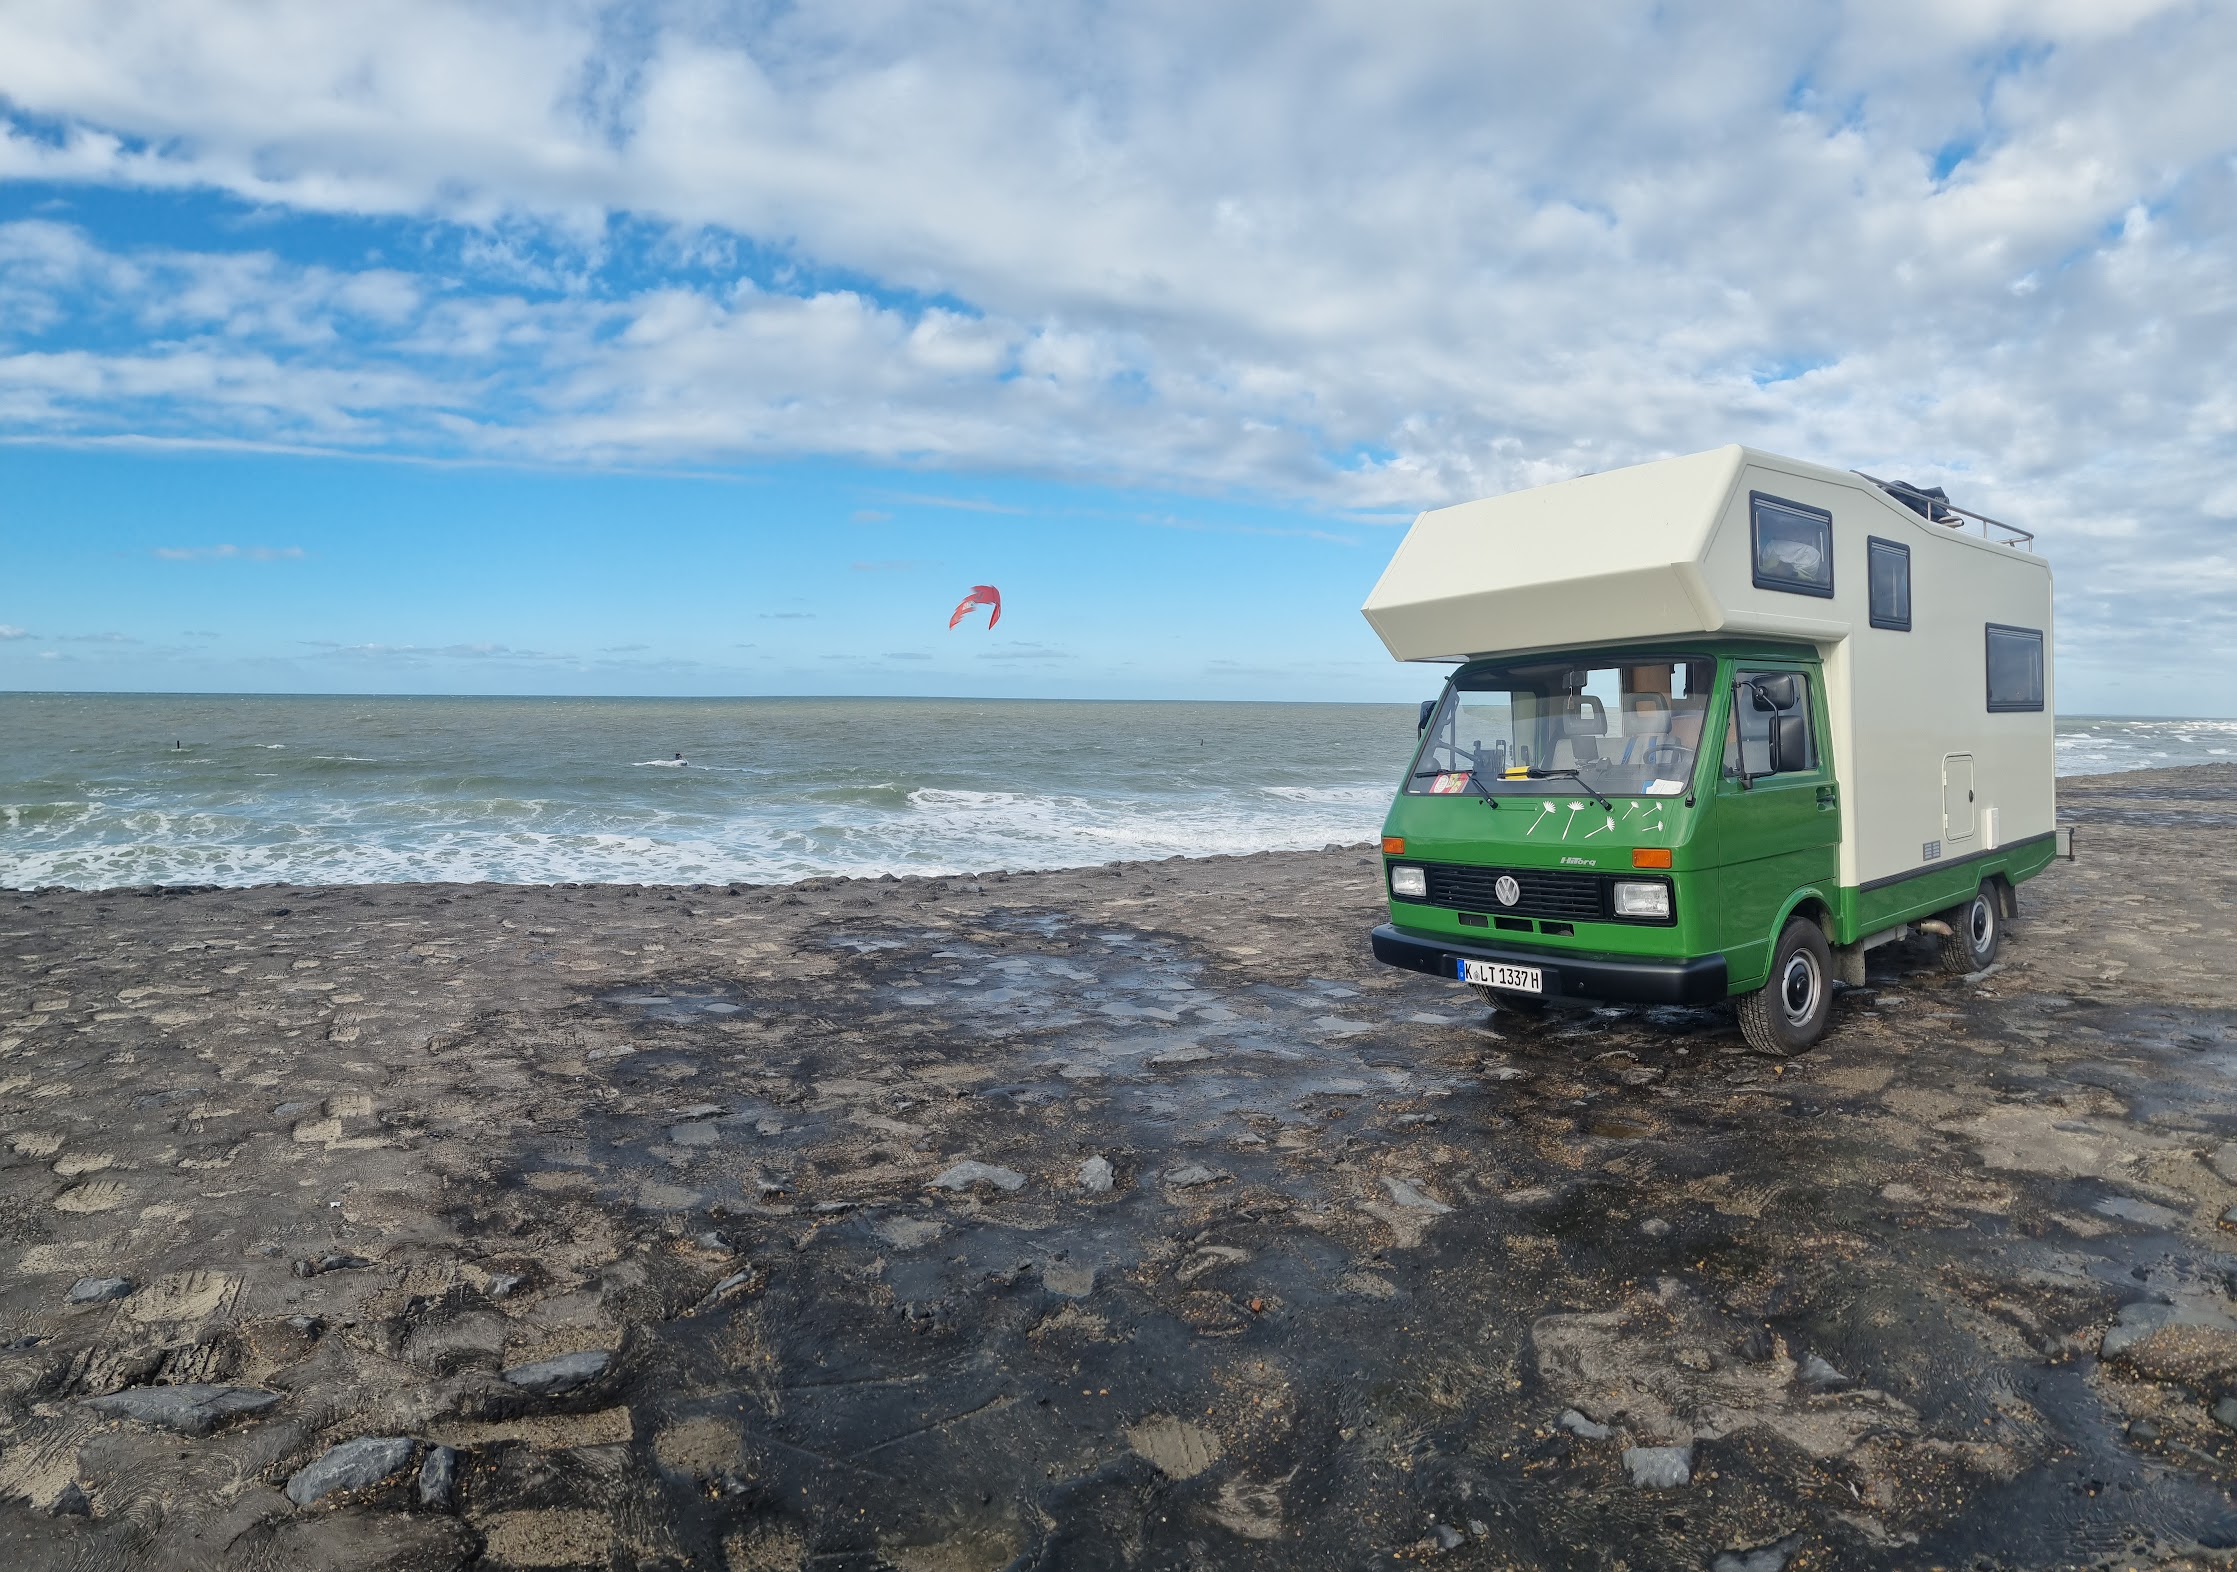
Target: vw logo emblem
<point>1507,890</point>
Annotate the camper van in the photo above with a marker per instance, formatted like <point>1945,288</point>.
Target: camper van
<point>1718,726</point>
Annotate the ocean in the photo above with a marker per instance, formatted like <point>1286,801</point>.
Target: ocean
<point>99,791</point>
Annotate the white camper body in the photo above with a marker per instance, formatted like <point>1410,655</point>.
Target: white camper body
<point>1931,767</point>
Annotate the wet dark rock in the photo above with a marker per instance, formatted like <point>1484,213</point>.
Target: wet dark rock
<point>351,1466</point>
<point>1659,1467</point>
<point>2143,1430</point>
<point>193,1409</point>
<point>1578,1425</point>
<point>963,1175</point>
<point>438,1479</point>
<point>70,1502</point>
<point>2225,1413</point>
<point>2189,1340</point>
<point>1755,1345</point>
<point>713,1239</point>
<point>97,1290</point>
<point>308,1325</point>
<point>549,1377</point>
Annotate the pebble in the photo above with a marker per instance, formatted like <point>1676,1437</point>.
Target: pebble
<point>1096,1176</point>
<point>1763,1558</point>
<point>192,1409</point>
<point>351,1466</point>
<point>968,1173</point>
<point>2225,1413</point>
<point>1815,1372</point>
<point>548,1377</point>
<point>70,1502</point>
<point>1655,1228</point>
<point>1193,1175</point>
<point>716,1240</point>
<point>97,1290</point>
<point>438,1479</point>
<point>330,1263</point>
<point>502,1285</point>
<point>1659,1467</point>
<point>1578,1425</point>
<point>1405,1194</point>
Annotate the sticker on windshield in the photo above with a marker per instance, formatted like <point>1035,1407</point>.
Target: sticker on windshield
<point>1665,788</point>
<point>1449,785</point>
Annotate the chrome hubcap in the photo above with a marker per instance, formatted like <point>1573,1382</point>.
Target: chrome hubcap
<point>1798,989</point>
<point>1983,925</point>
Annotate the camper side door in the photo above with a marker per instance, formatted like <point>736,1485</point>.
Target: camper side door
<point>1778,810</point>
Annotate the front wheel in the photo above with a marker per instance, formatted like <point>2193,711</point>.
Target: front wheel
<point>1787,1015</point>
<point>1514,1003</point>
<point>1976,930</point>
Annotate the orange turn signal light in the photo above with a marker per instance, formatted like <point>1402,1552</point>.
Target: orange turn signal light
<point>1650,857</point>
<point>1394,846</point>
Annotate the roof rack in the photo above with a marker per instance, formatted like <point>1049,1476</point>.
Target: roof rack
<point>1938,509</point>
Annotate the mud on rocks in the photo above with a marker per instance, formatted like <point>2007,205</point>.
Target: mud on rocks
<point>1120,1217</point>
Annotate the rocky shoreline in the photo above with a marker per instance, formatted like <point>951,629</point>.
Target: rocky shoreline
<point>1125,1216</point>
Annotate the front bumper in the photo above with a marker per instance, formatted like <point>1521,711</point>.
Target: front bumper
<point>1568,976</point>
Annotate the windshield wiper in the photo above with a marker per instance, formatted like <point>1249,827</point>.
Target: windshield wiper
<point>1482,790</point>
<point>1590,790</point>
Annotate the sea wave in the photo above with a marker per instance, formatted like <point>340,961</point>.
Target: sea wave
<point>307,791</point>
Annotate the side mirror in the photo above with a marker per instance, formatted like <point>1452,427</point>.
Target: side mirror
<point>1780,693</point>
<point>1790,743</point>
<point>1428,708</point>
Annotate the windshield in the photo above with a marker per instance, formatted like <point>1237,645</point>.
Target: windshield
<point>1628,728</point>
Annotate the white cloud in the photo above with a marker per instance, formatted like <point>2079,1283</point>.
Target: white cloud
<point>9,630</point>
<point>1316,251</point>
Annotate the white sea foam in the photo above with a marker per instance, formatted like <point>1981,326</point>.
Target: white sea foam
<point>511,791</point>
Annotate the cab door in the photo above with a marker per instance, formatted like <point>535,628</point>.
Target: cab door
<point>1778,810</point>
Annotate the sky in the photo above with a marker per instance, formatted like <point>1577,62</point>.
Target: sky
<point>701,348</point>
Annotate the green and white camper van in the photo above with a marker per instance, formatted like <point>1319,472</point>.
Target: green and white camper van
<point>1720,724</point>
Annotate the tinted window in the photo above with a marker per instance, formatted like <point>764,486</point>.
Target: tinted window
<point>2015,668</point>
<point>1890,563</point>
<point>1793,546</point>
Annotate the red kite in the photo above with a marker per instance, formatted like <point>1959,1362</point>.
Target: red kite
<point>981,595</point>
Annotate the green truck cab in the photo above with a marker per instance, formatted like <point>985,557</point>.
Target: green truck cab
<point>1742,798</point>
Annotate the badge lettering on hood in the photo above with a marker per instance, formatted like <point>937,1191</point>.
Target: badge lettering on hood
<point>1580,862</point>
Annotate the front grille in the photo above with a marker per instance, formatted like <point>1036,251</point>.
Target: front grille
<point>1545,893</point>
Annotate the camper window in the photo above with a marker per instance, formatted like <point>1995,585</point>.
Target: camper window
<point>2015,668</point>
<point>1890,562</point>
<point>1627,728</point>
<point>1747,740</point>
<point>1793,546</point>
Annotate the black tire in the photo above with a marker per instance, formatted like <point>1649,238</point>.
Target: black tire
<point>1787,1015</point>
<point>1976,933</point>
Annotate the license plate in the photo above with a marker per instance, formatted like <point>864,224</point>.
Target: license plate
<point>1498,974</point>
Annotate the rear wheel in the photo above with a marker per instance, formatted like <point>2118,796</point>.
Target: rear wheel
<point>1976,932</point>
<point>1787,1015</point>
